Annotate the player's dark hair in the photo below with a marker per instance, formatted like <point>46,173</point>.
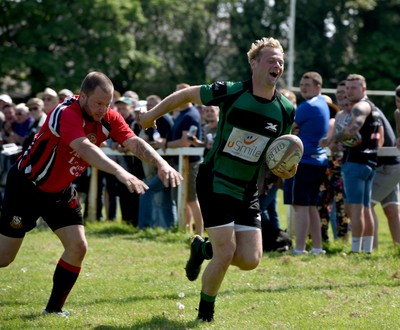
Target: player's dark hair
<point>96,79</point>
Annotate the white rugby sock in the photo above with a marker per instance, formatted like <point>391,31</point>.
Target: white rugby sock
<point>367,243</point>
<point>356,243</point>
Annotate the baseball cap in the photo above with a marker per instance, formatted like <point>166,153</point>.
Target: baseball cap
<point>35,101</point>
<point>65,92</point>
<point>131,94</point>
<point>124,99</point>
<point>6,98</point>
<point>21,107</point>
<point>47,92</point>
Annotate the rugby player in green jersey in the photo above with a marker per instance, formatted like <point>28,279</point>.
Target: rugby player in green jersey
<point>252,114</point>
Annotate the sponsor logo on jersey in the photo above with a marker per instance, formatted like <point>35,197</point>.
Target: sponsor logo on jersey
<point>245,145</point>
<point>92,138</point>
<point>272,127</point>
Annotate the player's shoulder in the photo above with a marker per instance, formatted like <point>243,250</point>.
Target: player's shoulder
<point>225,88</point>
<point>285,101</point>
<point>112,115</point>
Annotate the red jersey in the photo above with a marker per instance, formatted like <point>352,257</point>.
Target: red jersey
<point>49,162</point>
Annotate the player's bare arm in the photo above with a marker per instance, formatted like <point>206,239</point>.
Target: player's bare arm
<point>327,141</point>
<point>147,153</point>
<point>359,113</point>
<point>170,103</point>
<point>95,157</point>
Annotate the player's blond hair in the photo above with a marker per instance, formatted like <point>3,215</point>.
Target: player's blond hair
<point>258,45</point>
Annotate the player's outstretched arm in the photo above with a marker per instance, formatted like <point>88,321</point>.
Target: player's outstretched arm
<point>170,103</point>
<point>96,158</point>
<point>144,151</point>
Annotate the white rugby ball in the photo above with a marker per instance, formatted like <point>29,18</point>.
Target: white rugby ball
<point>286,150</point>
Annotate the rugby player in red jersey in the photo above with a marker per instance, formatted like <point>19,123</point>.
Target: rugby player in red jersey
<point>40,183</point>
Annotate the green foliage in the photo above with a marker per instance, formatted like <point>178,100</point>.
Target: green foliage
<point>57,45</point>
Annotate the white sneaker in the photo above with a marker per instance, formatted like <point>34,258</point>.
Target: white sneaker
<point>317,252</point>
<point>298,252</point>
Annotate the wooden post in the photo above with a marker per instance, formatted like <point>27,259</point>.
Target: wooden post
<point>183,191</point>
<point>92,198</point>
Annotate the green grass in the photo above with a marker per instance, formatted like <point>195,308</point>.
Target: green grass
<point>133,280</point>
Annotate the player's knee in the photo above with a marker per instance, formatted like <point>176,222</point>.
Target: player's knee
<point>249,263</point>
<point>78,250</point>
<point>82,249</point>
<point>224,259</point>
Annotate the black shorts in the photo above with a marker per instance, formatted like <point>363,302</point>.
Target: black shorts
<point>221,209</point>
<point>24,203</point>
<point>303,189</point>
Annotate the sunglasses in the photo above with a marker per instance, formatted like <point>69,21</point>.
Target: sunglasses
<point>398,93</point>
<point>34,109</point>
<point>19,113</point>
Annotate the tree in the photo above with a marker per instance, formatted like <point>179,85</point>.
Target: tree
<point>57,45</point>
<point>151,45</point>
<point>185,38</point>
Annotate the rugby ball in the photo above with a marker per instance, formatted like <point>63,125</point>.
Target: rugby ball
<point>285,150</point>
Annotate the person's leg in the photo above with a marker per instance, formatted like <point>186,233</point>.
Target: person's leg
<point>271,207</point>
<point>68,267</point>
<point>334,220</point>
<point>301,226</point>
<point>249,250</point>
<point>110,198</point>
<point>390,206</point>
<point>263,207</point>
<point>369,223</point>
<point>376,225</point>
<point>315,229</point>
<point>357,226</point>
<point>100,195</point>
<point>19,214</point>
<point>354,185</point>
<point>369,231</point>
<point>324,205</point>
<point>224,246</point>
<point>9,247</point>
<point>197,217</point>
<point>192,200</point>
<point>342,218</point>
<point>392,213</point>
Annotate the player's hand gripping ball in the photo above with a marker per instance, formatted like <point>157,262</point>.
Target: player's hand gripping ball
<point>284,154</point>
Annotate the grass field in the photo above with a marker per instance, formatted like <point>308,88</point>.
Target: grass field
<point>135,280</point>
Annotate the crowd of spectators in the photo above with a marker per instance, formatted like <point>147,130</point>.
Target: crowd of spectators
<point>158,207</point>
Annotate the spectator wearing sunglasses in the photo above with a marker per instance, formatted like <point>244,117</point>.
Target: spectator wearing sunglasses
<point>23,120</point>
